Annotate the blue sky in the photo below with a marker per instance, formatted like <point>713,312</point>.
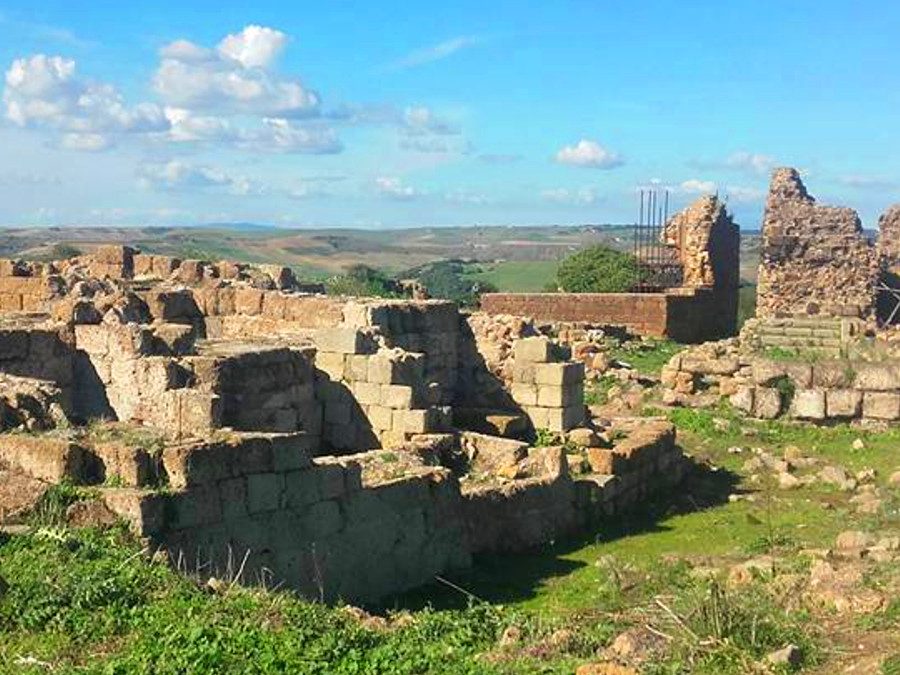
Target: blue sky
<point>399,113</point>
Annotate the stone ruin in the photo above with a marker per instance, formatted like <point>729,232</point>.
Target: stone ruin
<point>704,241</point>
<point>346,447</point>
<point>707,244</point>
<point>818,349</point>
<point>816,260</point>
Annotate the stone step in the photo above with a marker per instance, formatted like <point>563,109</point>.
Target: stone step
<point>803,322</point>
<point>800,331</point>
<point>799,341</point>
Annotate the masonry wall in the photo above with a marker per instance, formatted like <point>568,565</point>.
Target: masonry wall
<point>815,260</point>
<point>691,315</point>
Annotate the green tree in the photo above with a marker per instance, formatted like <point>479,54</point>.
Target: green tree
<point>598,269</point>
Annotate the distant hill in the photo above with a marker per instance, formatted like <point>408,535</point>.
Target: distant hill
<point>319,252</point>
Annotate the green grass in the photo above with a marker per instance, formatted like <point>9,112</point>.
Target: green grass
<point>90,602</point>
<point>514,276</point>
<point>646,356</point>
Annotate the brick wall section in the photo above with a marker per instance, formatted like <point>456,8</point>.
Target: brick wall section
<point>693,315</point>
<point>644,313</point>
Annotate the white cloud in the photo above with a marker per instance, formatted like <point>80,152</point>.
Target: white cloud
<point>590,154</point>
<point>423,131</point>
<point>234,78</point>
<point>864,182</point>
<point>178,175</point>
<point>466,198</point>
<point>571,197</point>
<point>697,186</point>
<point>85,142</point>
<point>186,126</point>
<point>270,135</point>
<point>741,161</point>
<point>752,162</point>
<point>436,52</point>
<point>281,135</point>
<point>421,121</point>
<point>394,188</point>
<point>253,47</point>
<point>744,195</point>
<point>733,193</point>
<point>44,91</point>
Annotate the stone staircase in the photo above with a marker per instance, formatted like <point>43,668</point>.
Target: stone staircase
<point>821,336</point>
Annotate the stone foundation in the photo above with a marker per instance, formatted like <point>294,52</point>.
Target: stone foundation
<point>306,439</point>
<point>355,527</point>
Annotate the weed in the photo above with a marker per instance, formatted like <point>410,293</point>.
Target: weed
<point>596,392</point>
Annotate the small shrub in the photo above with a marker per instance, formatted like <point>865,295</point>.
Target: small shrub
<point>598,269</point>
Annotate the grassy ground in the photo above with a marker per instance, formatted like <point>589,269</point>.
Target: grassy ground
<point>515,276</point>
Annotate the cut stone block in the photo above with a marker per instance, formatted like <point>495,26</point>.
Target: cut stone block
<point>809,404</point>
<point>881,405</point>
<point>843,403</point>
<point>558,373</point>
<point>532,350</point>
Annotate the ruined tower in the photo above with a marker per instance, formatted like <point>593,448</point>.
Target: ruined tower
<point>814,260</point>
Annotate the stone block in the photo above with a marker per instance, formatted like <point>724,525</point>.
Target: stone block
<point>233,495</point>
<point>765,372</point>
<point>367,393</point>
<point>743,399</point>
<point>322,520</point>
<point>302,488</point>
<point>397,396</point>
<point>380,417</point>
<point>843,403</point>
<point>766,403</point>
<point>877,376</point>
<point>331,363</point>
<point>340,340</point>
<point>248,301</point>
<point>532,350</point>
<point>264,492</point>
<point>881,405</point>
<point>413,421</point>
<point>524,394</point>
<point>356,368</point>
<point>558,373</point>
<point>809,404</point>
<point>551,396</point>
<point>833,375</point>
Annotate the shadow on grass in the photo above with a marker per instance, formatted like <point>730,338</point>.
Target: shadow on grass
<point>515,577</point>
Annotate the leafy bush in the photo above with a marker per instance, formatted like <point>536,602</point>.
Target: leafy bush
<point>598,269</point>
<point>362,281</point>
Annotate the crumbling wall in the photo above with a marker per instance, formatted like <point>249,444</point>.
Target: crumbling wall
<point>889,239</point>
<point>815,260</point>
<point>707,243</point>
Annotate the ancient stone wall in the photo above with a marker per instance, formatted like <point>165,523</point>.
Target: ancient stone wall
<point>815,260</point>
<point>889,240</point>
<point>823,391</point>
<point>356,527</point>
